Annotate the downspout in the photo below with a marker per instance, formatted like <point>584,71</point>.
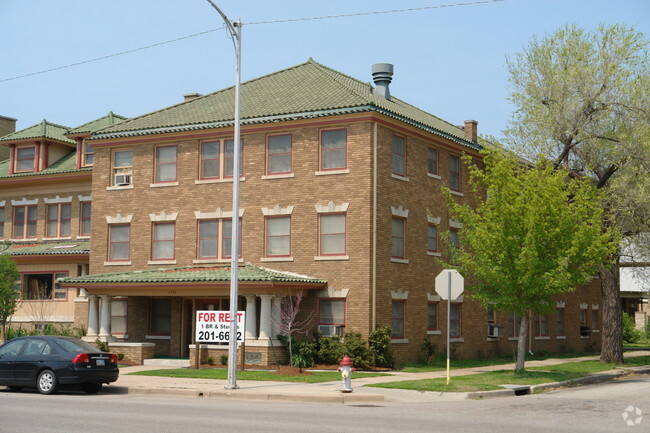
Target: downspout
<point>374,226</point>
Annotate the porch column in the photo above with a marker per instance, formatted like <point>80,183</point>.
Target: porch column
<point>105,319</point>
<point>251,317</point>
<point>84,271</point>
<point>265,317</point>
<point>92,316</point>
<point>275,313</point>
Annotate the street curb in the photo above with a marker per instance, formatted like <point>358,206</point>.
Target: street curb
<point>260,396</point>
<point>586,380</point>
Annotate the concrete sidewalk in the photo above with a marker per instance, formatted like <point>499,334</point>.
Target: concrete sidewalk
<point>329,392</point>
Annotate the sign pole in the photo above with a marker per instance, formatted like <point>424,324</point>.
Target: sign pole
<point>448,323</point>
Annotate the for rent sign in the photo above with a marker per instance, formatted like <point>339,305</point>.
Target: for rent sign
<point>214,326</point>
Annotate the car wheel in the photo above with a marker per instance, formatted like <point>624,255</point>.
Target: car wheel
<point>15,388</point>
<point>46,382</point>
<point>91,388</point>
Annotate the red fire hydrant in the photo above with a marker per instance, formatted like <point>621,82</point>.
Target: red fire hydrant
<point>346,373</point>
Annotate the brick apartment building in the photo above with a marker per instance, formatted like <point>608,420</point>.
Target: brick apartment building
<point>340,198</point>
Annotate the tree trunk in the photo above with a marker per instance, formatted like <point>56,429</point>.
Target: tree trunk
<point>521,344</point>
<point>612,325</point>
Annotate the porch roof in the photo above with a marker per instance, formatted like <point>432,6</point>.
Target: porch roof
<point>192,274</point>
<point>72,247</point>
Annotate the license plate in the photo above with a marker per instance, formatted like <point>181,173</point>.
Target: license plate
<point>100,362</point>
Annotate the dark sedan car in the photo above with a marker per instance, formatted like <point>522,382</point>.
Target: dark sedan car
<point>47,362</point>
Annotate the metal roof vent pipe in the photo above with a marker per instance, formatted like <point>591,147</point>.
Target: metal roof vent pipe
<point>382,75</point>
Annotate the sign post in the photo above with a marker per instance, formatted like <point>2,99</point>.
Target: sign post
<point>450,284</point>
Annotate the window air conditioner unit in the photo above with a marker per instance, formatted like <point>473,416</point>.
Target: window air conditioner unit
<point>331,330</point>
<point>494,330</point>
<point>122,179</point>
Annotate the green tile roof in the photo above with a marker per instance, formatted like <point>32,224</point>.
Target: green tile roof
<point>71,247</point>
<point>103,122</point>
<point>67,164</point>
<point>192,274</point>
<point>41,130</point>
<point>304,91</point>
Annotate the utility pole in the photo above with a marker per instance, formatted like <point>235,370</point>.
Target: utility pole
<point>234,28</point>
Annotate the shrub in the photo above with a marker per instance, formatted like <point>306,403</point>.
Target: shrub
<point>223,359</point>
<point>328,350</point>
<point>102,345</point>
<point>305,351</point>
<point>379,341</point>
<point>357,349</point>
<point>120,356</point>
<point>301,361</point>
<point>631,335</point>
<point>428,350</point>
<point>210,360</point>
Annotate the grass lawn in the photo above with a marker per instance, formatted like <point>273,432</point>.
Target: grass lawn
<point>440,363</point>
<point>222,374</point>
<point>491,381</point>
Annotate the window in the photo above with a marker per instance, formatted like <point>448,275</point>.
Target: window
<point>559,322</point>
<point>331,317</point>
<point>583,317</point>
<point>454,244</point>
<point>161,317</point>
<point>514,322</point>
<point>397,316</point>
<point>491,316</point>
<point>432,162</point>
<point>163,241</point>
<point>398,238</point>
<point>87,154</point>
<point>25,158</point>
<point>166,164</point>
<point>399,155</point>
<point>594,319</point>
<point>118,316</point>
<point>215,239</point>
<point>85,217</point>
<point>332,239</point>
<point>122,167</point>
<point>2,222</point>
<point>279,154</point>
<point>278,236</point>
<point>119,242</point>
<point>334,149</point>
<point>25,222</point>
<point>432,238</point>
<point>540,325</point>
<point>454,173</point>
<point>58,220</point>
<point>12,348</point>
<point>432,316</point>
<point>37,287</point>
<point>217,159</point>
<point>455,320</point>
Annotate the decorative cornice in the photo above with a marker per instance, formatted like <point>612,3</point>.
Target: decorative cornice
<point>399,211</point>
<point>331,207</point>
<point>58,199</point>
<point>433,298</point>
<point>217,214</point>
<point>119,219</point>
<point>433,220</point>
<point>331,292</point>
<point>399,294</point>
<point>24,202</point>
<point>455,224</point>
<point>85,197</point>
<point>277,210</point>
<point>163,216</point>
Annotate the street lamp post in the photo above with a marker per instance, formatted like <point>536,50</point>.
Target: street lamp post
<point>235,32</point>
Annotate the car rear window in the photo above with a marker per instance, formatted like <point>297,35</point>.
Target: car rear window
<point>76,346</point>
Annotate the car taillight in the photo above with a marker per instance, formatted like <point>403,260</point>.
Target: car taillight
<point>113,358</point>
<point>82,357</point>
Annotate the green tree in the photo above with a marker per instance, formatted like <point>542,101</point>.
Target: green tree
<point>582,100</point>
<point>8,296</point>
<point>537,234</point>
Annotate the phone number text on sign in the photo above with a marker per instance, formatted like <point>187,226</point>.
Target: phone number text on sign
<point>214,326</point>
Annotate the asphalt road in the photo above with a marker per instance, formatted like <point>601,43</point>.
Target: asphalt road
<point>594,408</point>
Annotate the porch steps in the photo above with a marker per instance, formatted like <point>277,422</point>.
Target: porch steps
<point>166,362</point>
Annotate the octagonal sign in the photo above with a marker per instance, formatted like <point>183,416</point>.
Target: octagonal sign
<point>457,284</point>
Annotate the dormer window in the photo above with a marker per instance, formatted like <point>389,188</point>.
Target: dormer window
<point>25,158</point>
<point>87,154</point>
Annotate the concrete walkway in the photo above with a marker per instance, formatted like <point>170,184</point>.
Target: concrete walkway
<point>329,392</point>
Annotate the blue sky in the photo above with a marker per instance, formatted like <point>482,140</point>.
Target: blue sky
<point>449,61</point>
